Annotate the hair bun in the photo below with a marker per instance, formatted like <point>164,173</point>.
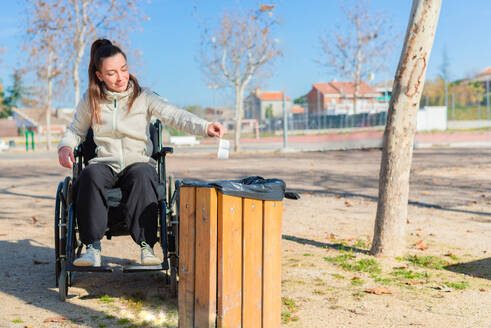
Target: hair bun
<point>98,44</point>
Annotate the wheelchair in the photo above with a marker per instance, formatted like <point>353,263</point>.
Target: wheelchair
<point>66,235</point>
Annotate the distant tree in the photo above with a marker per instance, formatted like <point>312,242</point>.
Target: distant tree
<point>390,223</point>
<point>269,111</point>
<point>300,100</point>
<point>238,50</point>
<point>46,49</point>
<point>15,96</point>
<point>445,74</point>
<point>358,48</point>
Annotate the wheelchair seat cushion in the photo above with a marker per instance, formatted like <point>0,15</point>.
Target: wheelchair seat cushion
<point>115,195</point>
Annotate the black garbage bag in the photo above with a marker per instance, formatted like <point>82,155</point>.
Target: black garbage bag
<point>254,187</point>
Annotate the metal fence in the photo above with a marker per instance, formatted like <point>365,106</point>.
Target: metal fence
<point>321,122</point>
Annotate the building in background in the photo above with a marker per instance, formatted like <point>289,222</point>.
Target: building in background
<point>261,105</point>
<point>336,98</point>
<point>8,128</point>
<point>34,119</point>
<point>484,76</point>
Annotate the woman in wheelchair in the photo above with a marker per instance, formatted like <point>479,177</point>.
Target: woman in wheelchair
<point>119,111</point>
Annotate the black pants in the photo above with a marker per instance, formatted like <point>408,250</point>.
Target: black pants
<point>138,183</point>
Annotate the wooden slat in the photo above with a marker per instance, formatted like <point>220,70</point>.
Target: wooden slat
<point>186,256</point>
<point>206,258</point>
<point>252,214</point>
<point>229,261</point>
<point>272,212</point>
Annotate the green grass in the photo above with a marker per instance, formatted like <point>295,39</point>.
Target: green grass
<point>431,262</point>
<point>308,254</point>
<point>458,285</point>
<point>360,243</point>
<point>106,299</point>
<point>290,308</point>
<point>357,282</point>
<point>409,274</point>
<point>338,276</point>
<point>343,258</point>
<point>123,321</point>
<point>348,262</point>
<point>102,325</point>
<point>17,320</point>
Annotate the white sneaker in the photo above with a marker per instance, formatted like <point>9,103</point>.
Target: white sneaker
<point>92,256</point>
<point>147,255</point>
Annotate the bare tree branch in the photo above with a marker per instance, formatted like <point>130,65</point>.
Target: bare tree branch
<point>237,50</point>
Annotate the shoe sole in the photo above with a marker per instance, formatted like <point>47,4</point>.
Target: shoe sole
<point>85,263</point>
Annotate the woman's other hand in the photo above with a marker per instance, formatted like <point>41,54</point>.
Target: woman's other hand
<point>65,157</point>
<point>215,129</point>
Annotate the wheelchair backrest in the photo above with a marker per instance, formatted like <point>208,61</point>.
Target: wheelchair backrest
<point>88,147</point>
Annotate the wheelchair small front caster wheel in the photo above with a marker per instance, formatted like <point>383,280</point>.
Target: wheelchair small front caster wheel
<point>173,281</point>
<point>63,285</point>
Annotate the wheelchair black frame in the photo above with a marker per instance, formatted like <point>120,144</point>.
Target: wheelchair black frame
<point>67,245</point>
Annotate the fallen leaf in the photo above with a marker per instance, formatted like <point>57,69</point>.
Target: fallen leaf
<point>337,196</point>
<point>450,254</point>
<point>379,290</point>
<point>349,240</point>
<point>355,278</point>
<point>470,231</point>
<point>3,234</point>
<point>331,236</point>
<point>443,288</point>
<point>55,319</point>
<point>421,245</point>
<point>34,219</point>
<point>419,229</point>
<point>408,222</point>
<point>413,283</point>
<point>36,262</point>
<point>432,235</point>
<point>482,289</point>
<point>348,204</point>
<point>483,196</point>
<point>418,235</point>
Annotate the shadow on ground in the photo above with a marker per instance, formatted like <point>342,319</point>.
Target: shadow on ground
<point>30,258</point>
<point>479,268</point>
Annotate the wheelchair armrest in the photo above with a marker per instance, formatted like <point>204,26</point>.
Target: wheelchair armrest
<point>77,151</point>
<point>165,150</point>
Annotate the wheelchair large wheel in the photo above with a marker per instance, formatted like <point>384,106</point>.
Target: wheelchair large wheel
<point>172,235</point>
<point>57,221</point>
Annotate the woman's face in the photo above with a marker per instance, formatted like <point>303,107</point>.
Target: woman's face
<point>114,73</point>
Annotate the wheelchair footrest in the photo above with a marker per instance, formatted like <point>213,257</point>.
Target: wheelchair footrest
<point>142,268</point>
<point>73,268</point>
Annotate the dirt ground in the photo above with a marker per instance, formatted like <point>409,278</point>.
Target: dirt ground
<point>328,280</point>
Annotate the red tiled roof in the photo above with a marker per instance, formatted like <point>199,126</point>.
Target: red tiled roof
<point>346,88</point>
<point>487,71</point>
<point>271,95</point>
<point>298,110</point>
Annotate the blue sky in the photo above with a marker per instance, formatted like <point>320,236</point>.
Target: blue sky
<point>170,43</point>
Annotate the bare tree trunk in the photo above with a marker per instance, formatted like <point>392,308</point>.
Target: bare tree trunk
<point>390,224</point>
<point>239,104</point>
<point>49,100</point>
<point>81,30</point>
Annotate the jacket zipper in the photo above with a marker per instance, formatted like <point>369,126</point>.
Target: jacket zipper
<point>115,125</point>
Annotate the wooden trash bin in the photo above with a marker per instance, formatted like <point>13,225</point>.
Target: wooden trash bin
<point>229,260</point>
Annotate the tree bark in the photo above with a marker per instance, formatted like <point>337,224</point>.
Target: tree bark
<point>49,100</point>
<point>390,223</point>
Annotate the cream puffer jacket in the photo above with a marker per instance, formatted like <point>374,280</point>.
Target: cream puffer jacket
<point>123,138</point>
